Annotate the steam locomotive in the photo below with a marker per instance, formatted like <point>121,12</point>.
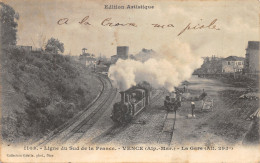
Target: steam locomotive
<point>133,101</point>
<point>172,101</point>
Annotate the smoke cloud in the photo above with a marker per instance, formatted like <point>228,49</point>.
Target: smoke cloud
<point>172,65</point>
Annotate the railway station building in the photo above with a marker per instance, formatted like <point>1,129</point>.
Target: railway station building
<point>232,64</point>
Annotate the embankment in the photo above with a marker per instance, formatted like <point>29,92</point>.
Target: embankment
<point>41,91</point>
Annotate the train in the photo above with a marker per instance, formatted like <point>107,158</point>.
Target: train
<point>133,101</point>
<point>173,101</point>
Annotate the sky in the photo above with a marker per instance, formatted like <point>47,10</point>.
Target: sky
<point>238,23</point>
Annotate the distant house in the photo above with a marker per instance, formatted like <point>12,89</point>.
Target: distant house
<point>87,58</point>
<point>232,64</point>
<point>252,57</point>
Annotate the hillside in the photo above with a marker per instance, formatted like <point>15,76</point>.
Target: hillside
<point>41,91</point>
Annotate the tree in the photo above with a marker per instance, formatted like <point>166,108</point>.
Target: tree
<point>8,24</point>
<point>54,45</point>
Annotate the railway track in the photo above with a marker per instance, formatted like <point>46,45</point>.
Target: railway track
<point>166,137</point>
<point>85,118</point>
<point>110,133</point>
<point>79,131</point>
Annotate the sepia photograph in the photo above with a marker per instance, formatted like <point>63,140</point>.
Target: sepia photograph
<point>129,81</point>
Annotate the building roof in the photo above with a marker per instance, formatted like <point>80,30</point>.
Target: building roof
<point>253,45</point>
<point>234,58</point>
<point>122,46</point>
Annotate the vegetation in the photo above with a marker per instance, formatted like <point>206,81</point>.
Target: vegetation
<point>54,45</point>
<point>51,89</point>
<point>8,24</point>
<point>40,90</point>
<point>212,66</point>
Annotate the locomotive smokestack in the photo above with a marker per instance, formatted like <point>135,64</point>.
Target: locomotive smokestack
<point>122,96</point>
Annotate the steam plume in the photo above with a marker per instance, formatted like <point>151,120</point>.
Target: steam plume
<point>174,64</point>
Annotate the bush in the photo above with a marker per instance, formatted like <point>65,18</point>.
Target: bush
<point>38,64</point>
<point>80,92</point>
<point>29,59</point>
<point>58,75</point>
<point>16,54</point>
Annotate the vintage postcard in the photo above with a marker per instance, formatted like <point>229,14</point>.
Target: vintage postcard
<point>129,80</point>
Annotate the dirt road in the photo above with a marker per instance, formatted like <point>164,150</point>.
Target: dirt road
<point>226,124</point>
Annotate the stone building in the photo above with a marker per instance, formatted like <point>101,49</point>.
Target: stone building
<point>252,57</point>
<point>122,53</point>
<point>232,64</point>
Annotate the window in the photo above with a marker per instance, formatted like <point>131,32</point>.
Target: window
<point>228,63</point>
<point>239,63</point>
